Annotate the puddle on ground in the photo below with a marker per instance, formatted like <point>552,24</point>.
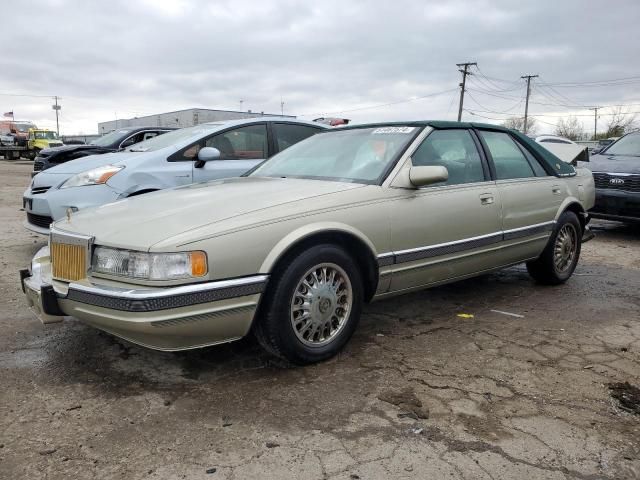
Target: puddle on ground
<point>627,395</point>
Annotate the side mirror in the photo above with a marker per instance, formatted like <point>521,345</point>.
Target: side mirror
<point>421,176</point>
<point>206,154</point>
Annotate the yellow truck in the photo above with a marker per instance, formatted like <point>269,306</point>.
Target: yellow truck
<point>40,139</point>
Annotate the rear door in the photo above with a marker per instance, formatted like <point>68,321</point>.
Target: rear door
<point>241,149</point>
<point>530,196</point>
<point>452,228</point>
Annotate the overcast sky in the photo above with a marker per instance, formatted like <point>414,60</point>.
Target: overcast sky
<point>137,57</point>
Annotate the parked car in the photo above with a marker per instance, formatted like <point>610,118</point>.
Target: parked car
<point>565,149</point>
<point>332,121</point>
<point>616,171</point>
<point>553,139</point>
<point>292,249</point>
<point>111,142</point>
<point>603,144</point>
<point>176,158</point>
<point>19,128</point>
<point>7,139</point>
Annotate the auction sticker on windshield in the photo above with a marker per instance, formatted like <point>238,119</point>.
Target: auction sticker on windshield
<point>384,130</point>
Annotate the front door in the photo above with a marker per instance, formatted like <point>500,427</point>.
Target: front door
<point>241,149</point>
<point>449,229</point>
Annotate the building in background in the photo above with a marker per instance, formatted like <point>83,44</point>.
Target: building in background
<point>180,118</point>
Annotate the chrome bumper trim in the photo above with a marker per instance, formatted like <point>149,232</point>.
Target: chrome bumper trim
<point>136,300</point>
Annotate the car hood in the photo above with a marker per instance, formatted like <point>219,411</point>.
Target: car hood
<point>140,222</point>
<point>92,161</point>
<point>614,164</point>
<point>68,148</point>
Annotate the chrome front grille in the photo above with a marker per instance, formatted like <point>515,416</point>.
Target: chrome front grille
<point>70,255</point>
<point>617,181</point>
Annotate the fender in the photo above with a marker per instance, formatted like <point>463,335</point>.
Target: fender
<point>307,231</point>
<point>566,204</point>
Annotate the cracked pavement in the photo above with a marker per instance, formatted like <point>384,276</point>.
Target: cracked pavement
<point>505,397</point>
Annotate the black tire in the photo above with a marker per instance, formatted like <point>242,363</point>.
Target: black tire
<point>274,328</point>
<point>556,263</point>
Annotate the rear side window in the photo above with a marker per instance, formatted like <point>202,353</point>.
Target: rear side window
<point>508,158</point>
<point>455,150</point>
<point>288,134</point>
<point>535,164</point>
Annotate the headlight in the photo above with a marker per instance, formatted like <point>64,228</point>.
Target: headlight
<point>96,176</point>
<point>149,266</point>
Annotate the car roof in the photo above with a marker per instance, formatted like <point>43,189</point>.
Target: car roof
<point>243,121</point>
<point>137,129</point>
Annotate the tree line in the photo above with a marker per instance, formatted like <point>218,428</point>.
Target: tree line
<point>619,122</point>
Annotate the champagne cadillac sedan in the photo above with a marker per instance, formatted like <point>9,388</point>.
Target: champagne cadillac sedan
<point>293,249</point>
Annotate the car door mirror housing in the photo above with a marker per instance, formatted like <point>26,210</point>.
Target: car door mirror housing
<point>207,154</point>
<point>422,176</point>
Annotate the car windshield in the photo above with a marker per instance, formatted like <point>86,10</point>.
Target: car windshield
<point>361,155</point>
<point>174,137</point>
<point>110,138</point>
<point>46,135</point>
<point>24,127</point>
<point>628,145</point>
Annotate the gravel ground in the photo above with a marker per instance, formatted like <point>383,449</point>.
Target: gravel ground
<point>419,392</point>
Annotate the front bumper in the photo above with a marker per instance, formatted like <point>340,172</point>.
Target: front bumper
<point>168,318</point>
<point>53,203</point>
<point>617,205</point>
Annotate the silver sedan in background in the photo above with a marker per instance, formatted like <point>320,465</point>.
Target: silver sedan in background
<point>195,154</point>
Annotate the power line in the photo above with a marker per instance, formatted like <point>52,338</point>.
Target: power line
<point>626,80</point>
<point>482,106</point>
<point>413,99</point>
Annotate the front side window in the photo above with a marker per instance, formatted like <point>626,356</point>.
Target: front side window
<point>456,151</point>
<point>132,140</point>
<point>358,155</point>
<point>288,134</point>
<point>149,135</point>
<point>508,159</point>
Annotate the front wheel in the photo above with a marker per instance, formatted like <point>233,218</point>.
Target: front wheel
<point>312,306</point>
<point>560,256</point>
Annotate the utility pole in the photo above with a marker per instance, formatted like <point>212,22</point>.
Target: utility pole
<point>526,104</point>
<point>57,108</point>
<point>464,73</point>
<point>281,107</point>
<point>595,121</point>
<point>241,102</point>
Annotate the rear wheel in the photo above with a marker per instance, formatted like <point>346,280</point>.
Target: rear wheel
<point>560,256</point>
<point>312,306</point>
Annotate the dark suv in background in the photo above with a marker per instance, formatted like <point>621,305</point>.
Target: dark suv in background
<point>111,142</point>
<point>616,171</point>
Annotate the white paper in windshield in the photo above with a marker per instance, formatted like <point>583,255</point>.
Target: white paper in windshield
<point>388,130</point>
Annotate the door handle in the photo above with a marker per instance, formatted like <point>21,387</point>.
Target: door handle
<point>486,199</point>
